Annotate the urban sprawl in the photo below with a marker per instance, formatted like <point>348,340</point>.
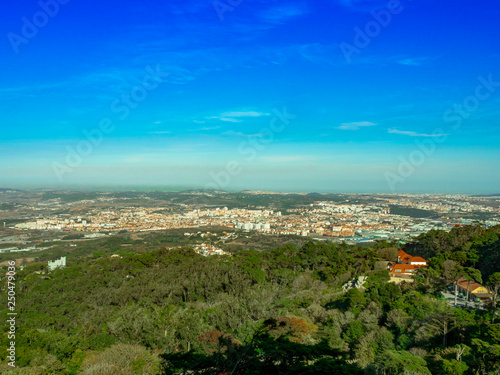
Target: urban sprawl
<point>344,221</point>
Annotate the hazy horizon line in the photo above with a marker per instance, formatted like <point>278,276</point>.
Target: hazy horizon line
<point>185,188</point>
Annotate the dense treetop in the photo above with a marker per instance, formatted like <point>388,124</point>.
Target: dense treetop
<point>281,311</point>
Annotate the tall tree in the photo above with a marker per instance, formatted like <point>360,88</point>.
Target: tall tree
<point>457,273</point>
<point>442,322</point>
<point>493,284</point>
<point>400,362</point>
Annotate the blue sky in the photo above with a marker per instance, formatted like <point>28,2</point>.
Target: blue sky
<point>383,116</point>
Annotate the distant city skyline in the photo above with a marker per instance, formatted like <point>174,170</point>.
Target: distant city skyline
<point>325,96</point>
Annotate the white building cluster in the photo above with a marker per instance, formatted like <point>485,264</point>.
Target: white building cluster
<point>207,250</point>
<point>59,263</point>
<point>253,226</point>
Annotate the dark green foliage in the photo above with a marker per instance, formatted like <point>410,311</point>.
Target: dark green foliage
<point>355,330</point>
<point>453,367</point>
<point>354,301</point>
<point>280,311</point>
<point>386,294</point>
<point>412,212</point>
<point>394,362</point>
<point>471,246</point>
<point>263,355</point>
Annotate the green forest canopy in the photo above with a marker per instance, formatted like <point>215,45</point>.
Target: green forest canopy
<point>281,311</point>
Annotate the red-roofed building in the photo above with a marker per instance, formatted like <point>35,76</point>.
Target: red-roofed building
<point>406,265</point>
<point>403,269</point>
<point>475,289</point>
<point>418,261</point>
<point>404,258</point>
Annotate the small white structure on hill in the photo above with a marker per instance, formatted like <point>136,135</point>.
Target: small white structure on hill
<point>59,263</point>
<point>354,283</point>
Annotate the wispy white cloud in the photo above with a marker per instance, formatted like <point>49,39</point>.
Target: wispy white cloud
<point>384,60</point>
<point>362,5</point>
<point>221,118</point>
<point>110,82</point>
<point>32,87</point>
<point>239,134</point>
<point>318,53</point>
<point>284,12</point>
<point>229,119</point>
<point>244,114</point>
<point>235,116</point>
<point>286,158</point>
<point>412,133</point>
<point>355,125</point>
<point>414,61</point>
<point>204,128</point>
